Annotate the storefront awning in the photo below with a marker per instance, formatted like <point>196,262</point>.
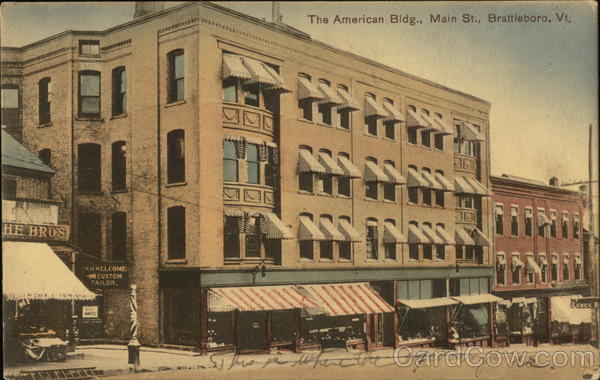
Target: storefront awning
<point>445,127</point>
<point>348,168</point>
<point>416,236</point>
<point>374,174</point>
<point>234,68</point>
<point>329,164</point>
<point>481,239</point>
<point>307,90</point>
<point>308,230</point>
<point>393,114</point>
<point>431,302</point>
<point>444,235</point>
<point>32,271</point>
<point>431,182</point>
<point>431,235</point>
<point>275,227</point>
<point>329,95</point>
<point>414,179</point>
<point>395,178</point>
<point>414,120</point>
<point>349,102</point>
<point>532,266</point>
<point>470,133</point>
<point>562,311</point>
<point>258,298</point>
<point>350,234</point>
<point>308,164</point>
<point>392,235</point>
<point>347,299</point>
<point>477,298</point>
<point>462,237</point>
<point>445,182</point>
<point>259,75</point>
<point>329,231</point>
<point>373,109</point>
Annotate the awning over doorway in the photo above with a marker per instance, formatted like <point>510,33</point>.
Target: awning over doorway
<point>477,298</point>
<point>259,298</point>
<point>32,271</point>
<point>431,302</point>
<point>347,299</point>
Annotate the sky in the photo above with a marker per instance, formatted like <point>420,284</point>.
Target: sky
<point>540,78</point>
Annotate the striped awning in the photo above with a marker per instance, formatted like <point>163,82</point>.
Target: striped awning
<point>461,186</point>
<point>233,67</point>
<point>280,85</point>
<point>329,231</point>
<point>329,95</point>
<point>416,236</point>
<point>478,187</point>
<point>307,163</point>
<point>259,298</point>
<point>348,168</point>
<point>431,235</point>
<point>349,102</point>
<point>350,234</point>
<point>393,115</point>
<point>275,227</point>
<point>431,125</point>
<point>308,230</point>
<point>430,302</point>
<point>444,235</point>
<point>532,266</point>
<point>394,175</point>
<point>374,174</point>
<point>480,238</point>
<point>392,235</point>
<point>413,119</point>
<point>446,129</point>
<point>445,182</point>
<point>307,90</point>
<point>347,299</point>
<point>470,133</point>
<point>373,109</point>
<point>331,167</point>
<point>462,237</point>
<point>431,182</point>
<point>259,75</point>
<point>414,179</point>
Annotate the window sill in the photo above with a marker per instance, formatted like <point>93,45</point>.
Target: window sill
<point>305,260</point>
<point>412,204</point>
<point>321,124</point>
<point>175,103</point>
<point>370,135</point>
<point>344,196</point>
<point>306,120</point>
<point>305,192</point>
<point>343,129</point>
<point>412,144</point>
<point>390,260</point>
<point>45,125</point>
<point>371,260</point>
<point>176,184</point>
<point>388,201</point>
<point>371,200</point>
<point>89,118</point>
<point>325,195</point>
<point>413,260</point>
<point>325,260</point>
<point>90,55</point>
<point>121,191</point>
<point>388,139</point>
<point>176,261</point>
<point>119,116</point>
<point>345,260</point>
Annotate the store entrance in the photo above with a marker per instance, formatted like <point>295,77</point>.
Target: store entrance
<point>252,331</point>
<point>181,316</point>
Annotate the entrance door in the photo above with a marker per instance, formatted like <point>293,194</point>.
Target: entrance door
<point>181,316</point>
<point>252,331</point>
<point>542,320</point>
<point>377,329</point>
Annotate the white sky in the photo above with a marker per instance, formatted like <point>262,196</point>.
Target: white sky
<point>541,78</point>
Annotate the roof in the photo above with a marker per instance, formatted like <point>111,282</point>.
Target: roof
<point>529,182</point>
<point>16,155</point>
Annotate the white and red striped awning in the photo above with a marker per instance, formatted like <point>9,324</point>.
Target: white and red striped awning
<point>259,298</point>
<point>347,299</point>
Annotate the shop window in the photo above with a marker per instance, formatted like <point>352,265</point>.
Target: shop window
<point>565,225</point>
<point>576,226</point>
<point>46,156</point>
<point>176,232</point>
<point>565,271</point>
<point>89,234</point>
<point>119,166</point>
<point>514,221</point>
<point>89,47</point>
<point>252,164</point>
<point>326,246</point>
<point>176,79</point>
<point>119,91</point>
<point>345,247</point>
<point>554,273</point>
<point>230,90</point>
<point>88,173</point>
<point>176,156</point>
<point>553,224</point>
<point>475,322</point>
<point>119,236</point>
<point>499,220</point>
<point>231,237</point>
<point>230,162</point>
<point>44,101</point>
<point>89,94</point>
<point>528,222</point>
<point>372,239</point>
<point>252,239</point>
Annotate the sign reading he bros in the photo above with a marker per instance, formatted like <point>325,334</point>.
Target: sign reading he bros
<point>105,276</point>
<point>35,231</point>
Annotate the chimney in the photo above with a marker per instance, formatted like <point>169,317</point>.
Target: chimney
<point>553,181</point>
<point>143,8</point>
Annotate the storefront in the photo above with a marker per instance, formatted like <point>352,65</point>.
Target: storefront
<point>424,322</point>
<point>570,323</point>
<point>522,317</point>
<point>37,292</point>
<point>472,322</point>
<point>502,330</point>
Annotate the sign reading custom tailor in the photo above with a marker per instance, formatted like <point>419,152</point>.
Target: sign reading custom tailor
<point>105,276</point>
<point>12,230</point>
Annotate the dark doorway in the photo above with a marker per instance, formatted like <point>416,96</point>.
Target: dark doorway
<point>252,331</point>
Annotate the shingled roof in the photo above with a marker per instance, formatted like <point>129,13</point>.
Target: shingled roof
<point>16,155</point>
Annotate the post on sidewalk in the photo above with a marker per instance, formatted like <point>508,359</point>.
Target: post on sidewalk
<point>134,344</point>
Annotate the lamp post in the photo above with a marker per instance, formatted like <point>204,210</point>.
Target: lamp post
<point>134,344</point>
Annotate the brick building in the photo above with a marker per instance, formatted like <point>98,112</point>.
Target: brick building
<point>539,258</point>
<point>265,189</point>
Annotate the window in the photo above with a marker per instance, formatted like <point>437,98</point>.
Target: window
<point>230,163</point>
<point>460,252</point>
<point>230,90</point>
<point>544,274</point>
<point>89,234</point>
<point>371,187</point>
<point>9,102</point>
<point>469,252</point>
<point>413,192</point>
<point>343,182</point>
<point>324,108</point>
<point>372,239</point>
<point>565,225</point>
<point>119,236</point>
<point>390,248</point>
<point>89,47</point>
<point>231,238</point>
<point>500,274</point>
<point>88,173</point>
<point>530,276</point>
<point>10,97</point>
<point>554,269</point>
<point>389,189</point>
<point>426,138</point>
<point>9,187</point>
<point>305,180</point>
<point>119,91</point>
<point>439,137</point>
<point>553,224</point>
<point>514,221</point>
<point>541,226</point>
<point>119,166</point>
<point>412,132</point>
<point>426,192</point>
<point>44,101</point>
<point>252,239</point>
<point>427,248</point>
<point>307,247</point>
<point>528,222</point>
<point>325,180</point>
<point>440,249</point>
<point>465,201</point>
<point>252,164</point>
<point>326,246</point>
<point>176,156</point>
<point>46,156</point>
<point>516,273</point>
<point>271,169</point>
<point>439,194</point>
<point>176,82</point>
<point>176,232</point>
<point>576,226</point>
<point>566,269</point>
<point>371,121</point>
<point>89,94</point>
<point>306,105</point>
<point>499,220</point>
<point>345,113</point>
<point>252,94</point>
<point>390,126</point>
<point>577,270</point>
<point>345,247</point>
<point>413,248</point>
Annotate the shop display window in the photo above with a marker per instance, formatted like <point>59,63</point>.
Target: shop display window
<point>218,329</point>
<point>472,321</point>
<point>332,331</point>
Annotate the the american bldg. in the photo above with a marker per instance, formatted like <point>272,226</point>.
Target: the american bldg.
<point>265,189</point>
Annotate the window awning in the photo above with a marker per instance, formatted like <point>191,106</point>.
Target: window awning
<point>307,90</point>
<point>416,236</point>
<point>329,164</point>
<point>308,230</point>
<point>462,237</point>
<point>470,133</point>
<point>329,231</point>
<point>347,299</point>
<point>480,238</point>
<point>234,68</point>
<point>32,271</point>
<point>578,260</point>
<point>275,227</point>
<point>514,211</point>
<point>373,173</point>
<point>478,187</point>
<point>543,259</point>
<point>414,179</point>
<point>566,259</point>
<point>445,128</point>
<point>501,257</point>
<point>461,186</point>
<point>394,175</point>
<point>259,298</point>
<point>414,120</point>
<point>392,235</point>
<point>542,219</point>
<point>259,75</point>
<point>445,182</point>
<point>554,259</point>
<point>431,235</point>
<point>430,302</point>
<point>431,182</point>
<point>516,262</point>
<point>348,168</point>
<point>280,85</point>
<point>308,164</point>
<point>562,311</point>
<point>350,234</point>
<point>477,298</point>
<point>444,235</point>
<point>373,109</point>
<point>349,103</point>
<point>532,266</point>
<point>393,115</point>
<point>431,125</point>
<point>329,95</point>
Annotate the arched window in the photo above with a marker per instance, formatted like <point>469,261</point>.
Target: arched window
<point>119,166</point>
<point>176,232</point>
<point>345,246</point>
<point>176,156</point>
<point>176,80</point>
<point>344,188</point>
<point>305,179</point>
<point>44,100</point>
